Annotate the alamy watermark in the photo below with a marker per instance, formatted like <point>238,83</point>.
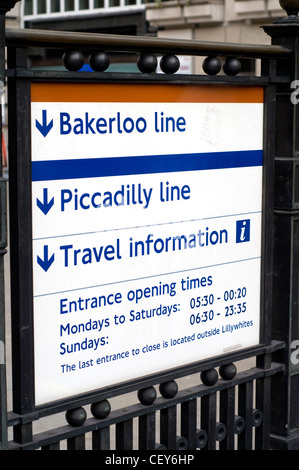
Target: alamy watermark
<point>295,353</point>
<point>295,94</point>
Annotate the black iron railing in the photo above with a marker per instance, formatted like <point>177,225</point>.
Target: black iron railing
<point>227,409</point>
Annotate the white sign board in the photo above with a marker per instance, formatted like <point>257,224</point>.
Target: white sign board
<point>146,204</point>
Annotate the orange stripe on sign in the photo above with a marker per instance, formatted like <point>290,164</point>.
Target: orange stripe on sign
<point>141,93</point>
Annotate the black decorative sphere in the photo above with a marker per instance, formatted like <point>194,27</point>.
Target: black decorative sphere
<point>101,409</point>
<point>147,396</point>
<point>73,60</point>
<point>239,424</point>
<point>290,6</point>
<point>211,65</point>
<point>232,66</point>
<point>221,431</point>
<point>169,63</point>
<point>201,438</point>
<point>182,443</point>
<point>76,417</point>
<point>147,63</point>
<point>209,377</point>
<point>99,61</point>
<point>257,418</point>
<point>169,389</point>
<point>228,371</point>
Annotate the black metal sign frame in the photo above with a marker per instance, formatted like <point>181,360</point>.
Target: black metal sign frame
<point>19,81</point>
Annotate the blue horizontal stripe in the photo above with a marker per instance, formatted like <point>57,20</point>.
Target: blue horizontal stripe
<point>141,165</point>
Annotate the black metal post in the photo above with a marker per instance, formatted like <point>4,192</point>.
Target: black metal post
<point>5,6</point>
<point>285,320</point>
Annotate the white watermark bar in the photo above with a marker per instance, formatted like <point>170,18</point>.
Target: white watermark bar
<point>2,353</point>
<point>295,353</point>
<point>295,93</point>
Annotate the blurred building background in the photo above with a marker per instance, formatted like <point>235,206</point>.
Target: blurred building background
<point>208,20</point>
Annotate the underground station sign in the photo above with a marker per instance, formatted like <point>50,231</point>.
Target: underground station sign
<point>146,203</point>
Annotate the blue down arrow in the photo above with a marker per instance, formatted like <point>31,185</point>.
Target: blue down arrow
<point>46,262</point>
<point>45,205</point>
<point>44,128</point>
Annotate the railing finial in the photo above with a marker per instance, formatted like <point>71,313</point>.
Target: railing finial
<point>291,7</point>
<point>7,5</point>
